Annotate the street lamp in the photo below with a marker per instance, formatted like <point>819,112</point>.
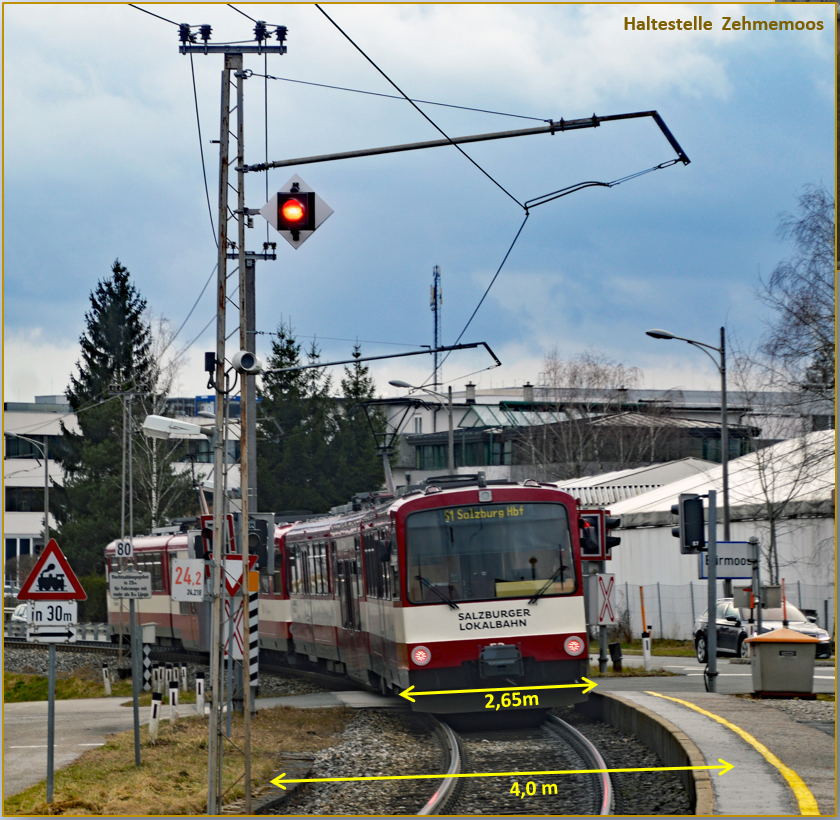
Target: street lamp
<point>450,456</point>
<point>724,428</point>
<point>45,453</point>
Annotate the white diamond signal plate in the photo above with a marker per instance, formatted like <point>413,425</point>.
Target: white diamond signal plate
<point>322,212</point>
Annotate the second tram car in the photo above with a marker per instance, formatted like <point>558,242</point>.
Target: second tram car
<point>456,585</point>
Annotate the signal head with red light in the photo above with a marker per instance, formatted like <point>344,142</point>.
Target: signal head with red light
<point>296,211</point>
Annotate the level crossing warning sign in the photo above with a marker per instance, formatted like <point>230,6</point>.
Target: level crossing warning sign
<point>233,571</point>
<point>52,579</point>
<point>602,609</point>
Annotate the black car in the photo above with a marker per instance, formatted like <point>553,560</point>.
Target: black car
<point>733,629</point>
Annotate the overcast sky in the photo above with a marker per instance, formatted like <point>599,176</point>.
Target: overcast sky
<point>101,160</point>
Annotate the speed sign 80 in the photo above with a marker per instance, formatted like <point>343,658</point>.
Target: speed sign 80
<point>124,549</point>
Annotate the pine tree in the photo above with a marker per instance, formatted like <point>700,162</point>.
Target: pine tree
<point>115,357</point>
<point>361,465</point>
<point>313,453</point>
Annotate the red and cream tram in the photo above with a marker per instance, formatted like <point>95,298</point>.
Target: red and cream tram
<point>458,585</point>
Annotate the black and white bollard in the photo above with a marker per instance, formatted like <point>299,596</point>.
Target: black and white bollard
<point>154,720</point>
<point>199,693</point>
<point>169,675</point>
<point>183,677</point>
<point>106,678</point>
<point>156,678</point>
<point>173,702</point>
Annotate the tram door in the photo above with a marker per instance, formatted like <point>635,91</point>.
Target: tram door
<point>351,639</point>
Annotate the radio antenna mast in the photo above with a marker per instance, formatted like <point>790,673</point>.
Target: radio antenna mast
<point>436,302</point>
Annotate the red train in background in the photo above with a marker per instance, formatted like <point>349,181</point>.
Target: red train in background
<point>458,584</point>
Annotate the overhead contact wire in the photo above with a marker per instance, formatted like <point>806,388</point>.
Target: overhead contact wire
<point>403,98</point>
<point>201,149</point>
<point>145,11</point>
<point>420,110</point>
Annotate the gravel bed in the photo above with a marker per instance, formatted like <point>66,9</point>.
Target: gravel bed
<point>818,713</point>
<point>642,793</point>
<point>375,742</point>
<point>523,750</point>
<point>34,660</point>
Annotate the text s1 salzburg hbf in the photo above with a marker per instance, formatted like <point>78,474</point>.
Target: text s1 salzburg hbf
<point>727,24</point>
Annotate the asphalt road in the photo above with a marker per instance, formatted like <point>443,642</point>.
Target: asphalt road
<point>79,725</point>
<point>733,679</point>
<point>84,724</point>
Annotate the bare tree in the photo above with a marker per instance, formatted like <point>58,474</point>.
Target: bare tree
<point>162,488</point>
<point>785,477</point>
<point>562,441</point>
<point>800,291</point>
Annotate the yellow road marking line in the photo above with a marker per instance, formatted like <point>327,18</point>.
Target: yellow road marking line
<point>807,801</point>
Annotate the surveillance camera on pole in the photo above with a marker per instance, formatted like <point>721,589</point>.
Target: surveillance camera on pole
<point>247,363</point>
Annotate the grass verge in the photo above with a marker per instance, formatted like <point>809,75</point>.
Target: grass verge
<point>19,688</point>
<point>629,672</point>
<point>664,647</point>
<point>172,778</point>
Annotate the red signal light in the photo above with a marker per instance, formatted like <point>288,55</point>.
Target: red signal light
<point>293,211</point>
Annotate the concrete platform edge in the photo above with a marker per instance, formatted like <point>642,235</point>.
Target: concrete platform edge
<point>670,743</point>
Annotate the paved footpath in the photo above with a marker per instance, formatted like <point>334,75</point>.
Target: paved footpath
<point>79,725</point>
<point>755,786</point>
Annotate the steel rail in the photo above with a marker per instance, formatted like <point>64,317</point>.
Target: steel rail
<point>447,786</point>
<point>588,748</point>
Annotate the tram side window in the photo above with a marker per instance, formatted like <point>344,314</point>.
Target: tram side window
<point>150,562</point>
<point>278,571</point>
<point>393,565</point>
<point>372,576</point>
<point>384,566</point>
<point>295,571</point>
<point>318,573</point>
<point>357,565</point>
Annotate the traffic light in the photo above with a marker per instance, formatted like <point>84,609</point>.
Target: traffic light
<point>590,537</point>
<point>692,530</point>
<point>258,540</point>
<point>610,541</point>
<point>296,212</point>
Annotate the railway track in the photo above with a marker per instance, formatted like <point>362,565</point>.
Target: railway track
<point>166,655</point>
<point>553,744</point>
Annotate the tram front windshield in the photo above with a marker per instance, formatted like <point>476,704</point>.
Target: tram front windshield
<point>489,551</point>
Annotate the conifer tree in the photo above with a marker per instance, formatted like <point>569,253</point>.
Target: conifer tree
<point>116,348</point>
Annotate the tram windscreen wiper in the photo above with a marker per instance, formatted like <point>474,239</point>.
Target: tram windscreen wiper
<point>549,582</point>
<point>452,604</point>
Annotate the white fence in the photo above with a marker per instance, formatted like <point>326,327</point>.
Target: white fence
<point>671,609</point>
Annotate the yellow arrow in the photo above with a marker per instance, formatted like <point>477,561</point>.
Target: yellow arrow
<point>587,686</point>
<point>280,781</point>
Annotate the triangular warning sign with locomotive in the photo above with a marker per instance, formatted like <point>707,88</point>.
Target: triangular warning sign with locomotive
<point>52,579</point>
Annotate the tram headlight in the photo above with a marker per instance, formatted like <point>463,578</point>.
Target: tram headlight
<point>574,645</point>
<point>421,655</point>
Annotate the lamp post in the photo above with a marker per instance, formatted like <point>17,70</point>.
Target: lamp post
<point>450,456</point>
<point>724,428</point>
<point>45,453</point>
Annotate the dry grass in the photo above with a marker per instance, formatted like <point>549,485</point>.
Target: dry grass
<point>629,672</point>
<point>81,683</point>
<point>173,777</point>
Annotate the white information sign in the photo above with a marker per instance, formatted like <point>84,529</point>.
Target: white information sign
<point>733,560</point>
<point>124,549</point>
<point>50,613</point>
<point>187,579</point>
<point>51,634</point>
<point>131,584</point>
